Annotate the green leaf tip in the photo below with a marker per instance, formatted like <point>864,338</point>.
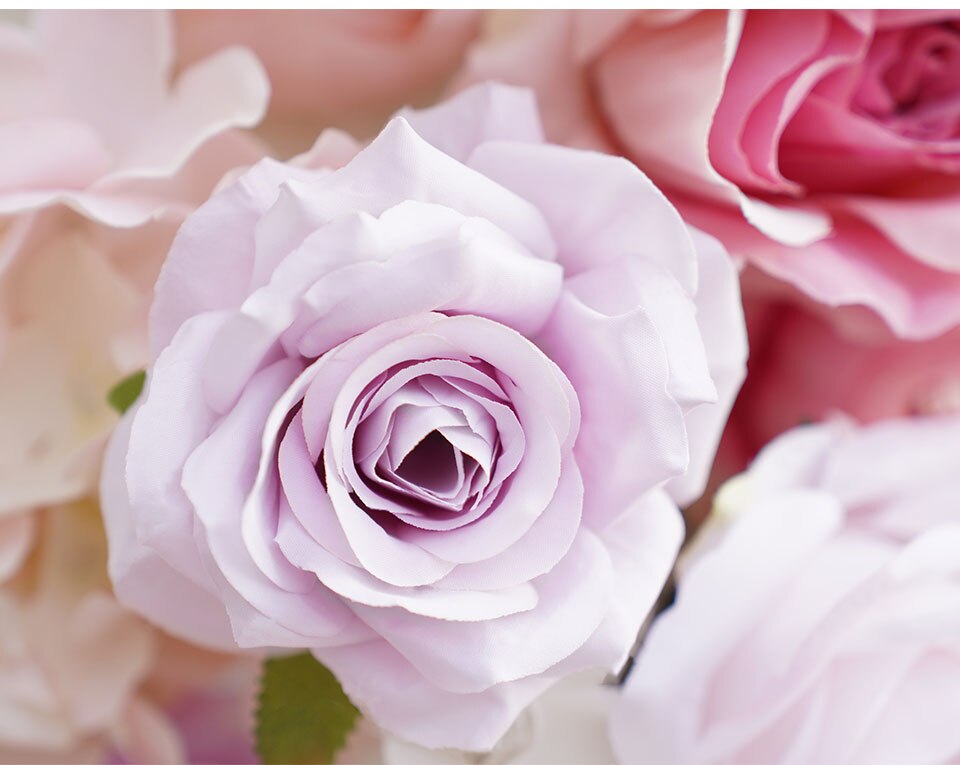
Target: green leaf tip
<point>303,715</point>
<point>123,395</point>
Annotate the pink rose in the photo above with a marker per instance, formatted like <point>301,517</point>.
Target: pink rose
<point>84,680</point>
<point>424,415</point>
<point>103,156</point>
<point>73,311</point>
<point>872,373</point>
<point>843,129</point>
<point>821,624</point>
<point>822,145</point>
<point>90,115</point>
<point>349,69</point>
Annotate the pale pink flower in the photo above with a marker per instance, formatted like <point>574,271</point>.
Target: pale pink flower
<point>819,618</point>
<point>348,69</point>
<point>92,117</point>
<point>84,680</point>
<point>103,152</point>
<point>73,322</point>
<point>425,415</point>
<point>872,373</point>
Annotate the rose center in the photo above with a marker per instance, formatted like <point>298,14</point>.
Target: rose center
<point>433,464</point>
<point>911,81</point>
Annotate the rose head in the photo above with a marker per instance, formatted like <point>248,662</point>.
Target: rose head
<point>821,145</point>
<point>425,415</point>
<point>818,619</point>
<point>843,130</point>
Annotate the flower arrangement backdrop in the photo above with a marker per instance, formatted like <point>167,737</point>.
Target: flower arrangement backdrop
<point>374,387</point>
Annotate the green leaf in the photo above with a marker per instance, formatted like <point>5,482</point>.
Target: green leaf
<point>303,715</point>
<point>123,395</point>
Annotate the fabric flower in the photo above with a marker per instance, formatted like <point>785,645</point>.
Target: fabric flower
<point>425,414</point>
<point>103,156</point>
<point>818,620</point>
<point>84,680</point>
<point>349,69</point>
<point>819,144</point>
<point>90,116</point>
<point>73,323</point>
<point>873,374</point>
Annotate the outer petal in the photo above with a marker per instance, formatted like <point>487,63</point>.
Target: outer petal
<point>142,580</point>
<point>573,599</point>
<point>926,229</point>
<point>171,422</point>
<point>384,684</point>
<point>623,385</point>
<point>675,656</point>
<point>625,214</point>
<point>189,117</point>
<point>488,112</point>
<point>210,264</point>
<point>16,537</point>
<point>721,323</point>
<point>659,86</point>
<point>134,51</point>
<point>550,52</point>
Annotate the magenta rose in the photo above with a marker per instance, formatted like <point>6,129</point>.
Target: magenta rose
<point>819,620</point>
<point>426,415</point>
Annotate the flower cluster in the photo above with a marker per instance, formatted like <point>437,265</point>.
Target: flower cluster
<point>375,386</point>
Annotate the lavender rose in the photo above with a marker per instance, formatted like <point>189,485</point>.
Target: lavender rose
<point>426,415</point>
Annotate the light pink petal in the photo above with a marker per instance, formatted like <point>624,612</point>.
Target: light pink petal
<point>142,580</point>
<point>675,656</point>
<point>46,156</point>
<point>239,531</point>
<point>100,633</point>
<point>925,229</point>
<point>423,173</point>
<point>359,587</point>
<point>390,690</point>
<point>537,551</point>
<point>338,67</point>
<point>131,54</point>
<point>623,387</point>
<point>382,260</point>
<point>472,657</point>
<point>721,325</point>
<point>643,545</point>
<point>916,724</point>
<point>869,467</point>
<point>166,428</point>
<point>487,112</point>
<point>16,539</point>
<point>145,734</point>
<point>211,261</point>
<point>307,497</point>
<point>547,51</point>
<point>25,84</point>
<point>659,86</point>
<point>190,117</point>
<point>625,214</point>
